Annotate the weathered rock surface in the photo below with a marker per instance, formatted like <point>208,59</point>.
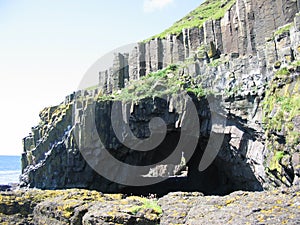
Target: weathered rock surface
<point>90,207</point>
<point>76,207</point>
<point>241,32</point>
<point>246,58</point>
<point>273,207</point>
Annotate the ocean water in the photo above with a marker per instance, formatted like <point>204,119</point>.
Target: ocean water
<point>10,169</point>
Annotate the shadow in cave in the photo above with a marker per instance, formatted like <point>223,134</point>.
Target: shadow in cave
<point>220,178</point>
<point>227,173</point>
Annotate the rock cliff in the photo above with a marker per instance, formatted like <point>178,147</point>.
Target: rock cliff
<point>240,69</point>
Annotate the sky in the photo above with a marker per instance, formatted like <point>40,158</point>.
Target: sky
<point>46,46</point>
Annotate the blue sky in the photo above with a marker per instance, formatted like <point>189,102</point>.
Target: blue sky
<point>47,45</point>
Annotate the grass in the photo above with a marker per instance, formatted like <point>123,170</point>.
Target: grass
<point>209,10</point>
<point>202,51</point>
<point>287,107</point>
<point>215,62</point>
<point>283,29</point>
<point>295,63</point>
<point>164,72</point>
<point>165,82</point>
<point>146,204</point>
<point>198,91</point>
<point>162,83</point>
<point>155,84</point>
<point>283,72</point>
<point>280,106</point>
<point>279,155</point>
<point>275,162</point>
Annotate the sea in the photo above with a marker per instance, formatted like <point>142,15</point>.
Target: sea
<point>10,169</point>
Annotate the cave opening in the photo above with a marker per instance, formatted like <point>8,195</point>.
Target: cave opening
<point>212,181</point>
<point>227,173</point>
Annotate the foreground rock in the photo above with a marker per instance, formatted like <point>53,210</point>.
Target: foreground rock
<point>75,207</point>
<point>272,207</point>
<point>90,207</point>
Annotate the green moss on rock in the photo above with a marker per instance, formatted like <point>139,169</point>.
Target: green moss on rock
<point>284,29</point>
<point>281,107</point>
<point>209,10</point>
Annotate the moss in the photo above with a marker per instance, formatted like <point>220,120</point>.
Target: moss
<point>155,84</point>
<point>166,82</point>
<point>295,63</point>
<point>275,162</point>
<point>279,155</point>
<point>209,10</point>
<point>284,29</point>
<point>146,204</point>
<point>164,72</point>
<point>215,63</point>
<point>281,106</point>
<point>283,72</point>
<point>198,91</point>
<point>61,204</point>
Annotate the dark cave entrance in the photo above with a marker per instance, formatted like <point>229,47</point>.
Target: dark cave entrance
<point>212,181</point>
<point>227,173</point>
<point>222,177</point>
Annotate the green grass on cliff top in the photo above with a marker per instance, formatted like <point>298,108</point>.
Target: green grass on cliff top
<point>210,9</point>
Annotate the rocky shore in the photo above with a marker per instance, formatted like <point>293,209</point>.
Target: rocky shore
<point>237,63</point>
<point>85,207</point>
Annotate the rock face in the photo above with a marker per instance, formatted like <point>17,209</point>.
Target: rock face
<point>82,207</point>
<point>241,32</point>
<point>248,60</point>
<point>237,208</point>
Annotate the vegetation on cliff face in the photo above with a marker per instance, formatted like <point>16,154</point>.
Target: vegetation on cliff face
<point>219,74</point>
<point>210,9</point>
<point>283,29</point>
<point>154,84</point>
<point>164,82</point>
<point>281,111</point>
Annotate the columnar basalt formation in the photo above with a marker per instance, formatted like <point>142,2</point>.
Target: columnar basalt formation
<point>249,55</point>
<point>242,31</point>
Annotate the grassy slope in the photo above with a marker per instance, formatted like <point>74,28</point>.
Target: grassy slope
<point>210,9</point>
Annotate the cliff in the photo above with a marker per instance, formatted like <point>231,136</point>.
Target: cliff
<point>239,65</point>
